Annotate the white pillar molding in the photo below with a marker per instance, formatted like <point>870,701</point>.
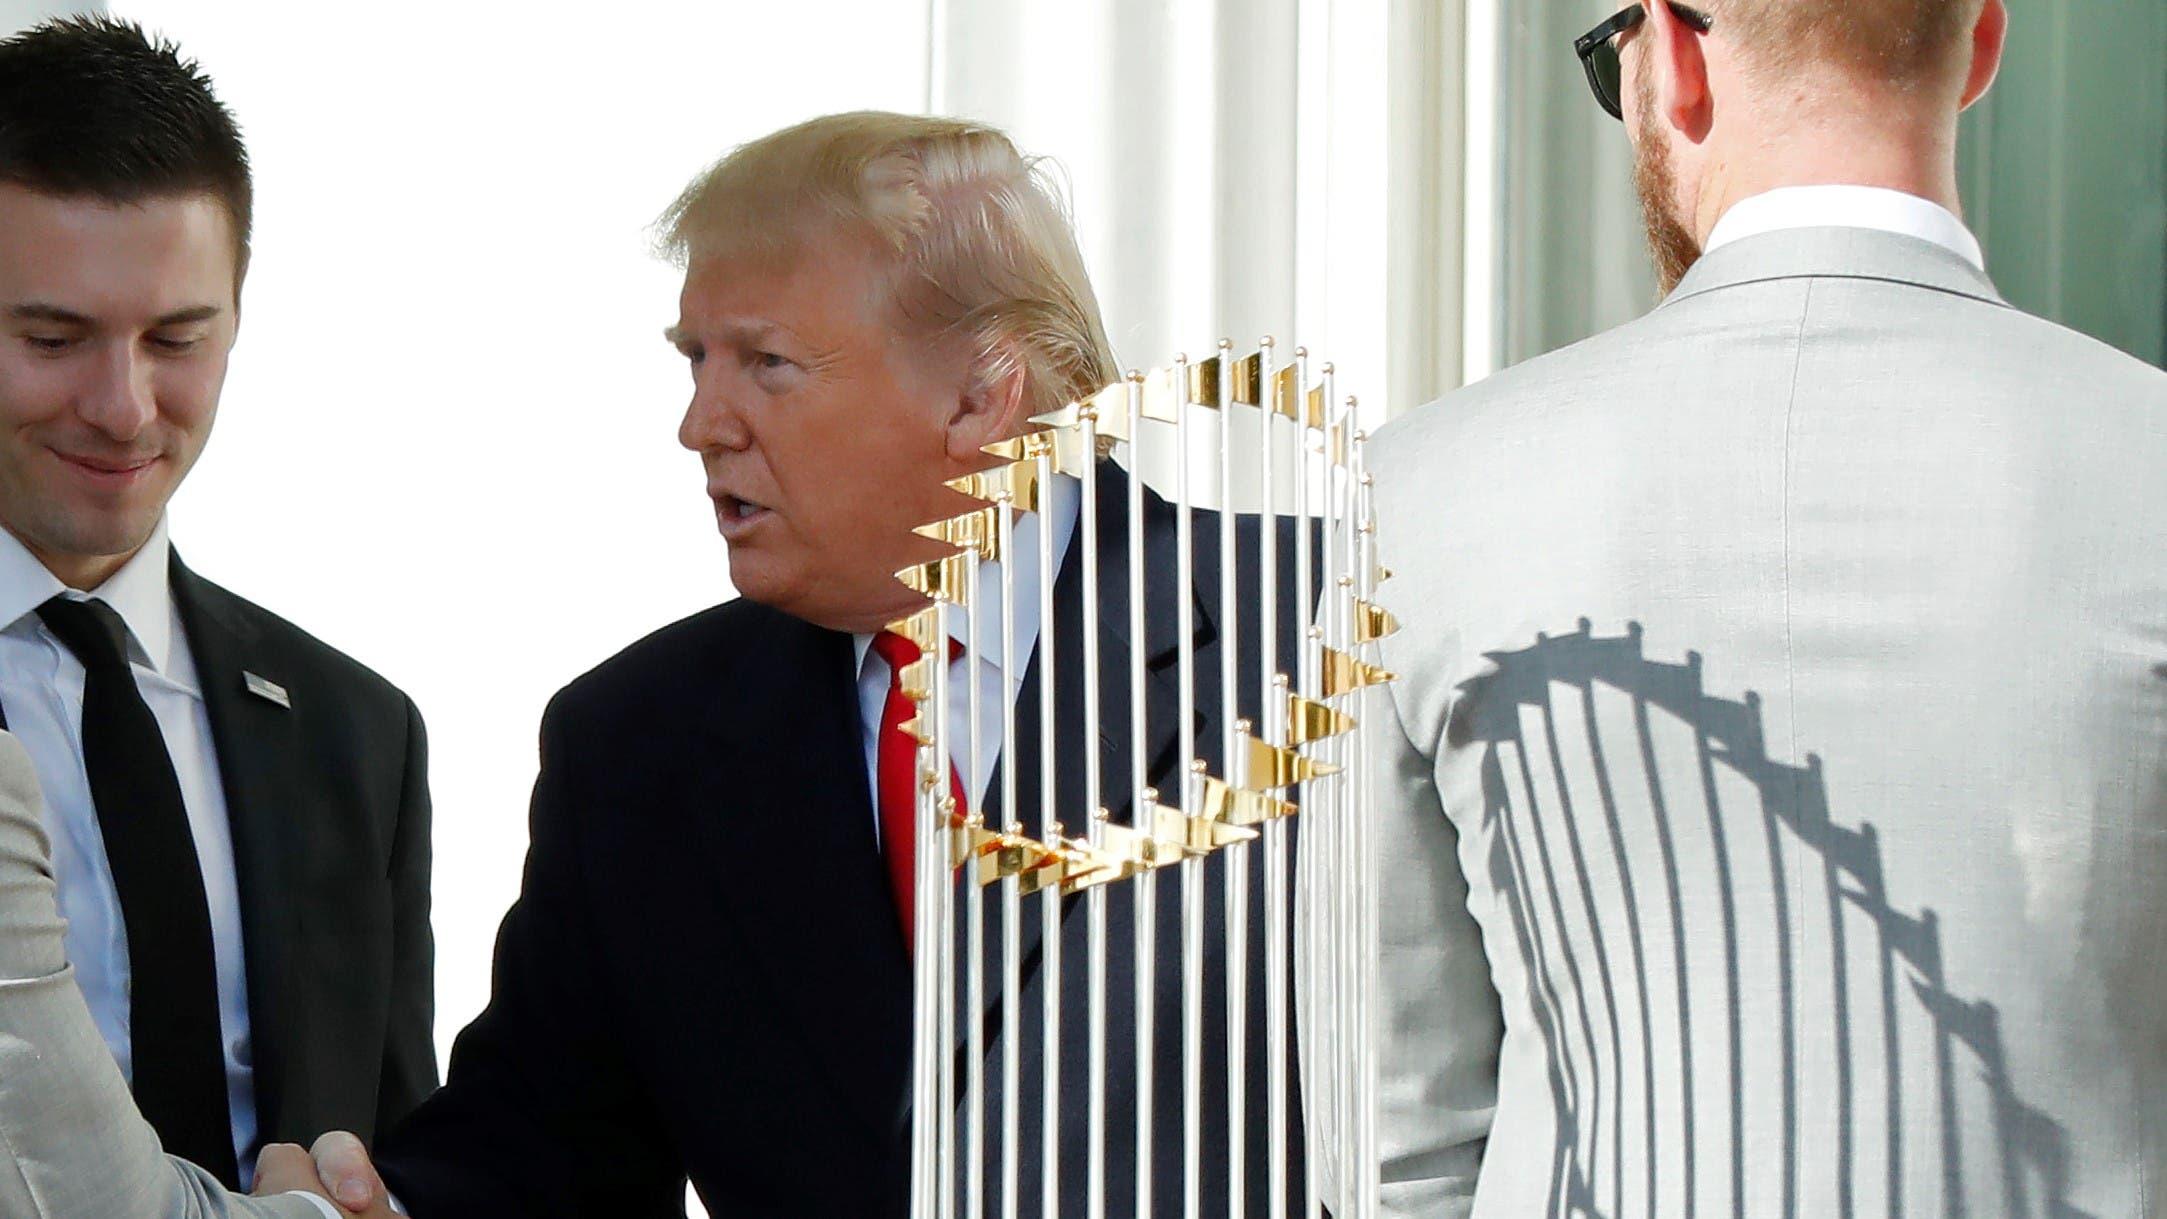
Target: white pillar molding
<point>1482,308</point>
<point>1242,168</point>
<point>1427,205</point>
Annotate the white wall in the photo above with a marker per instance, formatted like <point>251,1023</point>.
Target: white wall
<point>448,442</point>
<point>22,14</point>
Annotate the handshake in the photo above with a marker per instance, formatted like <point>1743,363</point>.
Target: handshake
<point>336,1168</point>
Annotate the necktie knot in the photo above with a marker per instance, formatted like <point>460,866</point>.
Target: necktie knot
<point>896,650</point>
<point>91,629</point>
<point>900,652</point>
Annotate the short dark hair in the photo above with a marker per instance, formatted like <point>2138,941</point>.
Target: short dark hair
<point>95,108</point>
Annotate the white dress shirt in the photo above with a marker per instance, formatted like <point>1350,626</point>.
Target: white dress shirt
<point>41,689</point>
<point>1851,207</point>
<point>983,658</point>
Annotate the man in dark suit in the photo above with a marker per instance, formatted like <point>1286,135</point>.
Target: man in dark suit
<point>239,814</point>
<point>706,973</point>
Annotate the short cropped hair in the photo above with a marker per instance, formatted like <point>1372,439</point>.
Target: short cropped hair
<point>94,108</point>
<point>975,242</point>
<point>1893,42</point>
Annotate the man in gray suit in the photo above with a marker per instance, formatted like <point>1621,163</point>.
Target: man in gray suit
<point>1774,797</point>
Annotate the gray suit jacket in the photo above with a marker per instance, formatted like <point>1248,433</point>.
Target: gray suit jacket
<point>1775,790</point>
<point>72,1145</point>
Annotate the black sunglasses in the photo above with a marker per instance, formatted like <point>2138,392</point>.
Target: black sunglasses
<point>1598,51</point>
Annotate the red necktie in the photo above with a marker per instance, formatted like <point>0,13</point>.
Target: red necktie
<point>897,767</point>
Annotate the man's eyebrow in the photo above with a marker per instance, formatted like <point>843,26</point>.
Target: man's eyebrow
<point>183,317</point>
<point>748,331</point>
<point>39,311</point>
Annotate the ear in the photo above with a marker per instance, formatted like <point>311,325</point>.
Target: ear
<point>240,280</point>
<point>1673,52</point>
<point>990,408</point>
<point>1988,38</point>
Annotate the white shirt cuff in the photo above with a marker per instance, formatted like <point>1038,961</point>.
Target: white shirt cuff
<point>330,1211</point>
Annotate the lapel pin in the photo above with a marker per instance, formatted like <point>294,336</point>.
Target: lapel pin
<point>267,690</point>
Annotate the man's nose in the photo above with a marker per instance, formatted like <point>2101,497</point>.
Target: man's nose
<point>712,420</point>
<point>122,398</point>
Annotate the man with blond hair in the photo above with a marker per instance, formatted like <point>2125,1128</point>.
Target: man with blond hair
<point>708,972</point>
<point>1775,820</point>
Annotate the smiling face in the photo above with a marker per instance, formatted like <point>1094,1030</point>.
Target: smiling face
<point>115,325</point>
<point>825,431</point>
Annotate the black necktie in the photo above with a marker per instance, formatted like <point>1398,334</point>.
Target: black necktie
<point>180,1067</point>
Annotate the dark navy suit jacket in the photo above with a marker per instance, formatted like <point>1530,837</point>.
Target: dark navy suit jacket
<point>705,974</point>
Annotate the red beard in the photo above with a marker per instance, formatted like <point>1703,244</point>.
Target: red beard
<point>1673,246</point>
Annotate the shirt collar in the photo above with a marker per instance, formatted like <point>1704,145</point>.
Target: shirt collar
<point>1066,500</point>
<point>1860,207</point>
<point>139,592</point>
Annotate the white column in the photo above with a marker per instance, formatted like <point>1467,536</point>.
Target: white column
<point>1242,169</point>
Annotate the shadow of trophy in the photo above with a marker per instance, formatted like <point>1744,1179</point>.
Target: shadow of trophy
<point>1640,834</point>
<point>1105,965</point>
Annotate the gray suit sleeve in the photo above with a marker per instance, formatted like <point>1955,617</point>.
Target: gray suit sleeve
<point>72,1145</point>
<point>1440,1023</point>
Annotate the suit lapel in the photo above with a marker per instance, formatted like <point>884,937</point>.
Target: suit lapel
<point>788,821</point>
<point>1162,619</point>
<point>259,765</point>
<point>1161,697</point>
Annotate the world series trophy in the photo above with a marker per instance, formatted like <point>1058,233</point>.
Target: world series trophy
<point>1302,761</point>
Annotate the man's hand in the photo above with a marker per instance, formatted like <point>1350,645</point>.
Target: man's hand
<point>284,1168</point>
<point>336,1168</point>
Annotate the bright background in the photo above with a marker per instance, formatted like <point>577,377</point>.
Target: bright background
<point>448,443</point>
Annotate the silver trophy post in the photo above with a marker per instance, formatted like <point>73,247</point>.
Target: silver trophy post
<point>1303,739</point>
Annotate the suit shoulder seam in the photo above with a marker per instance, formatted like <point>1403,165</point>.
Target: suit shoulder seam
<point>1790,413</point>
